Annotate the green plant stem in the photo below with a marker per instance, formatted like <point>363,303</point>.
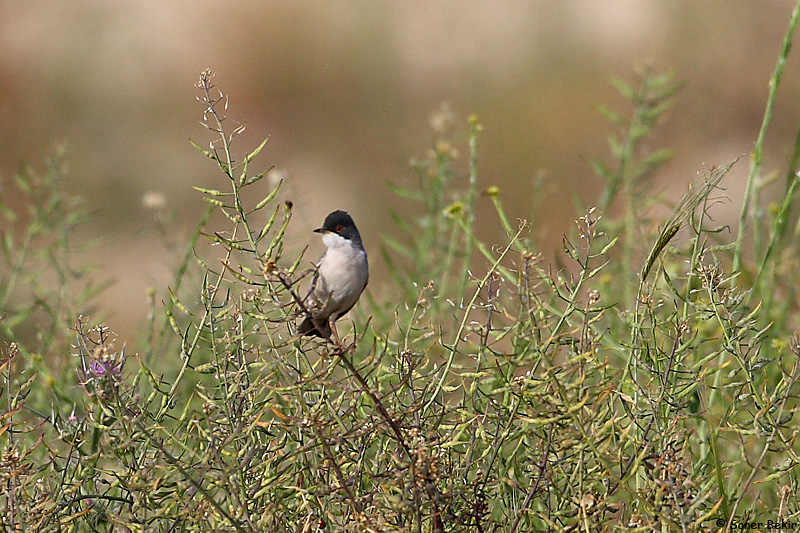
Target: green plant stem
<point>766,445</point>
<point>157,347</point>
<point>186,352</point>
<point>748,210</point>
<point>779,225</point>
<point>472,194</point>
<point>453,347</point>
<point>174,461</point>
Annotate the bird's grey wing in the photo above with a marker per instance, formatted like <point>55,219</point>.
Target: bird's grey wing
<point>354,303</point>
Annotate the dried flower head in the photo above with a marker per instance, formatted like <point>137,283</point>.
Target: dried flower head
<point>154,200</point>
<point>443,119</point>
<point>794,344</point>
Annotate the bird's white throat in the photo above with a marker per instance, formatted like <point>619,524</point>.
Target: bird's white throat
<point>334,240</point>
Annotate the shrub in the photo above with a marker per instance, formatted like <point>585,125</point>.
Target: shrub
<point>642,384</point>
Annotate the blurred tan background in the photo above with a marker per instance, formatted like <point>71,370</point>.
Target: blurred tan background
<point>345,91</point>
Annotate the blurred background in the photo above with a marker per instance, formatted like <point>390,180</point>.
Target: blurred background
<point>346,91</point>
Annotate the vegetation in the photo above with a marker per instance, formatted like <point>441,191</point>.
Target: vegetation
<point>648,381</point>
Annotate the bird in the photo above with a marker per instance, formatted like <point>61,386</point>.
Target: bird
<point>340,277</point>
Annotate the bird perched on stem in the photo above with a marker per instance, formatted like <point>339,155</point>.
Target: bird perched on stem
<point>341,276</point>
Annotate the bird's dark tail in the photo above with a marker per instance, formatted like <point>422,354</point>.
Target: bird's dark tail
<point>313,328</point>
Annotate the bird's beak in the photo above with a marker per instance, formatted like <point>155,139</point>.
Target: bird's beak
<point>319,230</point>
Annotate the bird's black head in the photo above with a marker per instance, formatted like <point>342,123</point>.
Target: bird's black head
<point>341,223</point>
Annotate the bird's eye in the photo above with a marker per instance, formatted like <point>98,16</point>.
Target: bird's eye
<point>339,228</point>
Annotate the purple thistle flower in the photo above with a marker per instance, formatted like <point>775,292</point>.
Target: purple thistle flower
<point>105,369</point>
<point>98,369</point>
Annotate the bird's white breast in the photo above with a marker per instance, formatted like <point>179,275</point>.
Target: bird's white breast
<point>343,274</point>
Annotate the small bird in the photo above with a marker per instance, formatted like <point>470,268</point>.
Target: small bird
<point>341,276</point>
